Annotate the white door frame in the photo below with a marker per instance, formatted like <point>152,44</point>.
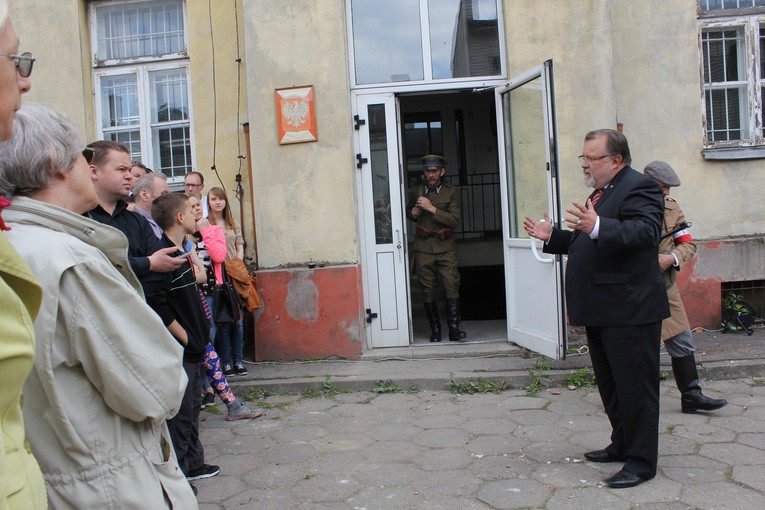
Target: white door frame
<point>528,171</point>
<point>383,249</point>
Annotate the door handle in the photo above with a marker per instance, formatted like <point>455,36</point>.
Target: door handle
<point>535,252</point>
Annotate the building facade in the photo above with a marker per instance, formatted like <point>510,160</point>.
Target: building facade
<point>193,84</point>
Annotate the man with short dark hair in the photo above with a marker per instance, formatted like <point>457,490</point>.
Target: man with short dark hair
<point>194,184</point>
<point>176,300</point>
<point>110,173</point>
<point>614,289</point>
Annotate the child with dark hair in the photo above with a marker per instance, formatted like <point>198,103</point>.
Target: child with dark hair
<point>176,301</point>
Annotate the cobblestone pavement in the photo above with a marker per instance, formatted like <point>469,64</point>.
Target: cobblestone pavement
<point>439,450</point>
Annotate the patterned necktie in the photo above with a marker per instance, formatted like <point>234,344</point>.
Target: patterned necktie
<point>596,196</point>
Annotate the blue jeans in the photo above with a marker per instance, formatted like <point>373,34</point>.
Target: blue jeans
<point>229,342</point>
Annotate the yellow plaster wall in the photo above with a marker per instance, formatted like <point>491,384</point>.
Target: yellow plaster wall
<point>635,63</point>
<point>660,102</point>
<point>304,193</point>
<point>219,101</point>
<point>57,35</point>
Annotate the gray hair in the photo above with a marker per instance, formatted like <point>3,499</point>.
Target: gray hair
<point>146,182</point>
<point>616,143</point>
<point>45,143</point>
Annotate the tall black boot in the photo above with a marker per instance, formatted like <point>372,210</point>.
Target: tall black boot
<point>687,379</point>
<point>431,310</point>
<point>453,319</point>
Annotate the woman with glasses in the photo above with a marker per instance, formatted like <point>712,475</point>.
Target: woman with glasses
<point>21,483</point>
<point>107,373</point>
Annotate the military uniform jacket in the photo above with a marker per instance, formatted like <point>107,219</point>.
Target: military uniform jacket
<point>448,214</point>
<point>673,217</point>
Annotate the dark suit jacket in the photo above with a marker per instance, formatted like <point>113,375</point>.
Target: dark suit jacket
<point>615,280</point>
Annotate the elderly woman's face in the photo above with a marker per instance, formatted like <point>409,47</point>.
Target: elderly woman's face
<point>12,85</point>
<point>81,188</point>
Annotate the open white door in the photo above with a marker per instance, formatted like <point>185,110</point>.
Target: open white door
<point>529,186</point>
<point>384,257</point>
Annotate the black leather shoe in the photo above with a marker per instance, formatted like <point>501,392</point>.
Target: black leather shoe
<point>602,456</point>
<point>624,479</point>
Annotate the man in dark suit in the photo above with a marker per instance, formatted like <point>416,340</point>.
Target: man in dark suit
<point>614,288</point>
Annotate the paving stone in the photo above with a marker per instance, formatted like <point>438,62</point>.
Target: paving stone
<point>515,494</point>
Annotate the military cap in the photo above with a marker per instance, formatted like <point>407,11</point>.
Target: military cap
<point>662,172</point>
<point>432,161</point>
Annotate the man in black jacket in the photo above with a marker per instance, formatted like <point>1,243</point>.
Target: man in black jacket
<point>110,172</point>
<point>614,288</point>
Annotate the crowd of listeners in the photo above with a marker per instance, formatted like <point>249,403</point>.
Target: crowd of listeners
<point>106,285</point>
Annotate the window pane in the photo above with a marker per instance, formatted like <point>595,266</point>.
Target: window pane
<point>130,138</point>
<point>386,40</point>
<point>725,108</point>
<point>169,95</point>
<point>723,55</point>
<point>172,150</point>
<point>464,38</point>
<point>139,29</point>
<point>717,5</point>
<point>119,101</point>
<point>378,154</point>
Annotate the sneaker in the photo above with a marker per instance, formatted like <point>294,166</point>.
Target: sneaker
<point>243,412</point>
<point>228,369</point>
<point>240,370</point>
<point>209,399</point>
<point>206,471</point>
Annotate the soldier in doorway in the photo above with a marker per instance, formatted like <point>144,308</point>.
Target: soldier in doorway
<point>435,207</point>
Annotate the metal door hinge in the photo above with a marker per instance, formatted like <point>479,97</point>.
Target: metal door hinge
<point>360,161</point>
<point>370,315</point>
<point>358,122</point>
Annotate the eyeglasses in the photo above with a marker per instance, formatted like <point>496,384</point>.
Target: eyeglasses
<point>588,160</point>
<point>88,154</point>
<point>192,185</point>
<point>23,63</point>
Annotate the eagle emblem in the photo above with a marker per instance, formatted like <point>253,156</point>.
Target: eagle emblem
<point>295,112</point>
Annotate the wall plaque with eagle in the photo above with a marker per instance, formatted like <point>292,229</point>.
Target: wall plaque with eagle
<point>296,115</point>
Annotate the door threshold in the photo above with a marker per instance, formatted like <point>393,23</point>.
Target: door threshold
<point>444,349</point>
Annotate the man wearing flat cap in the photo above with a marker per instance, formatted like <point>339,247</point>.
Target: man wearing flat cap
<point>435,207</point>
<point>675,249</point>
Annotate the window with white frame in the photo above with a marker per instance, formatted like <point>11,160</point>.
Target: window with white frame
<point>141,75</point>
<point>424,40</point>
<point>733,58</point>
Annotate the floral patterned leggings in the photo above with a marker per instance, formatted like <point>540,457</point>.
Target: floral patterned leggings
<point>218,382</point>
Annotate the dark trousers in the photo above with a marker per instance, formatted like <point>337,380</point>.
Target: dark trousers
<point>626,365</point>
<point>430,266</point>
<point>184,426</point>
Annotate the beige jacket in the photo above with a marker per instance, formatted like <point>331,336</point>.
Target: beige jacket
<point>673,217</point>
<point>107,373</point>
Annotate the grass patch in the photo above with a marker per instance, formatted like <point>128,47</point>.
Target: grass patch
<point>582,378</point>
<point>540,368</point>
<point>389,386</point>
<point>327,390</point>
<point>479,386</point>
<point>671,428</point>
<point>663,375</point>
<point>256,394</point>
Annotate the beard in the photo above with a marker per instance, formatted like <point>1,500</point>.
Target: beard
<point>589,180</point>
